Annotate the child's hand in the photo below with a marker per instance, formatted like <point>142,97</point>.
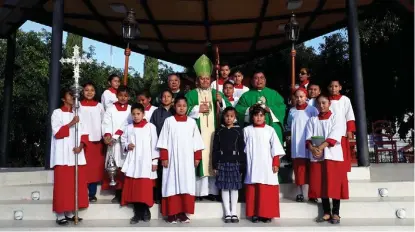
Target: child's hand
<point>275,169</point>
<point>131,147</point>
<point>77,150</point>
<point>267,109</point>
<point>218,97</point>
<point>197,163</point>
<point>74,121</point>
<point>154,168</point>
<point>350,135</point>
<point>165,163</point>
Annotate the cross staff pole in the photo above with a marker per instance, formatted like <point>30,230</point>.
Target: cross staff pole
<point>217,67</point>
<point>76,60</point>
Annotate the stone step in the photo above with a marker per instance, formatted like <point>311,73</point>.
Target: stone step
<point>356,189</point>
<point>103,209</point>
<point>216,225</point>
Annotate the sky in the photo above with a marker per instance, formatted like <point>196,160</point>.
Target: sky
<point>102,50</point>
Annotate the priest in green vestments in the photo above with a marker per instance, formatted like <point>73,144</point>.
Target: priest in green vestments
<point>270,99</point>
<point>202,103</point>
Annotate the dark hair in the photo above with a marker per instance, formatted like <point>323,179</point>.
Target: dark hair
<point>307,70</point>
<point>137,106</point>
<point>258,71</point>
<point>112,76</point>
<point>93,85</point>
<point>145,93</point>
<point>89,83</point>
<point>226,110</point>
<point>325,95</point>
<point>64,91</point>
<point>228,83</point>
<point>122,88</point>
<point>178,98</point>
<point>335,79</point>
<point>224,63</point>
<point>256,110</point>
<point>173,74</point>
<point>166,90</point>
<point>313,83</point>
<point>237,71</point>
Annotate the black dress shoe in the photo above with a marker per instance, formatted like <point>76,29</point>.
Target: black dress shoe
<point>62,222</point>
<point>255,219</point>
<point>199,198</point>
<point>299,198</point>
<point>134,220</point>
<point>72,219</point>
<point>265,220</point>
<point>93,199</point>
<point>147,215</point>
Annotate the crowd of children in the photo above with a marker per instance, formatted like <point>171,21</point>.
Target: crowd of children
<point>157,150</point>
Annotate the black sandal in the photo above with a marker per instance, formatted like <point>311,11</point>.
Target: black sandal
<point>299,198</point>
<point>62,222</point>
<point>322,219</point>
<point>234,219</point>
<point>335,220</point>
<point>228,219</point>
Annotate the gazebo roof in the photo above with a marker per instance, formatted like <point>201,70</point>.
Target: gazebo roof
<point>179,31</point>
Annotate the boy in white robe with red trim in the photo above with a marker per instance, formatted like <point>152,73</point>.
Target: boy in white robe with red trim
<point>298,118</point>
<point>342,107</point>
<point>224,76</point>
<point>115,120</point>
<point>140,166</point>
<point>328,177</point>
<point>228,91</point>
<point>62,160</point>
<point>313,91</point>
<point>144,99</point>
<point>263,150</point>
<point>181,146</point>
<point>92,113</point>
<point>109,97</point>
<point>239,87</point>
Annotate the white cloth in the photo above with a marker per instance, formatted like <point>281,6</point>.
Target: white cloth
<point>138,162</point>
<point>92,119</point>
<point>113,121</point>
<point>312,102</point>
<point>61,150</point>
<point>329,129</point>
<point>108,99</point>
<point>344,111</point>
<point>181,139</point>
<point>262,145</point>
<point>148,113</point>
<point>235,101</point>
<point>237,93</point>
<point>298,126</point>
<point>205,186</point>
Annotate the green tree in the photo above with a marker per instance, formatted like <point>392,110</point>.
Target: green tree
<point>151,75</point>
<point>71,41</point>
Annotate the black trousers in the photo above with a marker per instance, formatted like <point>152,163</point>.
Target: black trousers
<point>327,209</point>
<point>157,190</point>
<point>140,209</point>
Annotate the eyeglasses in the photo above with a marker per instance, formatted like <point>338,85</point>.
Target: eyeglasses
<point>303,73</point>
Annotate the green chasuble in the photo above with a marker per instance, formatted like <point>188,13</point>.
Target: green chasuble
<point>192,101</point>
<point>272,99</point>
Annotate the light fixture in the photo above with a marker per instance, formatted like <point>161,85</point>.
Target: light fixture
<point>18,215</point>
<point>294,4</point>
<point>383,192</point>
<point>118,7</point>
<point>401,213</point>
<point>292,29</point>
<point>130,27</point>
<point>35,195</point>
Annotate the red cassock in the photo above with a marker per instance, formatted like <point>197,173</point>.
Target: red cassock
<point>347,155</point>
<point>64,188</point>
<point>328,179</point>
<point>137,190</point>
<point>95,159</point>
<point>263,200</point>
<point>301,166</point>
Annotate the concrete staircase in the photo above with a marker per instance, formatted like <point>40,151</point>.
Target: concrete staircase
<point>365,210</point>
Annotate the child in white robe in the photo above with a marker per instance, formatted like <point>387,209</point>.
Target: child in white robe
<point>239,87</point>
<point>62,160</point>
<point>144,99</point>
<point>140,166</point>
<point>228,91</point>
<point>181,146</point>
<point>328,177</point>
<point>263,150</point>
<point>313,91</point>
<point>224,76</point>
<point>342,107</point>
<point>297,120</point>
<point>113,124</point>
<point>109,96</point>
<point>92,113</point>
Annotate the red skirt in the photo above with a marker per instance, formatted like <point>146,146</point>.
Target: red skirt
<point>262,200</point>
<point>64,188</point>
<point>347,154</point>
<point>328,179</point>
<point>301,170</point>
<point>119,178</point>
<point>180,203</point>
<point>137,190</point>
<point>95,161</point>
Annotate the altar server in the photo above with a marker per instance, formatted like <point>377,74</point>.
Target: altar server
<point>92,112</point>
<point>140,166</point>
<point>115,119</point>
<point>239,87</point>
<point>313,91</point>
<point>224,76</point>
<point>62,160</point>
<point>181,146</point>
<point>342,107</point>
<point>144,99</point>
<point>328,177</point>
<point>263,150</point>
<point>110,95</point>
<point>228,91</point>
<point>299,154</point>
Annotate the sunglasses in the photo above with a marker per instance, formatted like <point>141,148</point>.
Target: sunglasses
<point>303,73</point>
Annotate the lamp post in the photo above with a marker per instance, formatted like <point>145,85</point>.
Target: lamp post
<point>292,32</point>
<point>129,32</point>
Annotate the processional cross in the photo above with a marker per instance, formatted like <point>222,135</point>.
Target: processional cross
<point>76,60</point>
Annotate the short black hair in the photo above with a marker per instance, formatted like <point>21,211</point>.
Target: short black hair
<point>89,83</point>
<point>226,110</point>
<point>137,106</point>
<point>256,110</point>
<point>313,83</point>
<point>224,63</point>
<point>178,98</point>
<point>325,95</point>
<point>112,76</point>
<point>145,93</point>
<point>228,83</point>
<point>166,90</point>
<point>173,74</point>
<point>122,89</point>
<point>64,91</point>
<point>258,71</point>
<point>237,71</point>
<point>335,79</point>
